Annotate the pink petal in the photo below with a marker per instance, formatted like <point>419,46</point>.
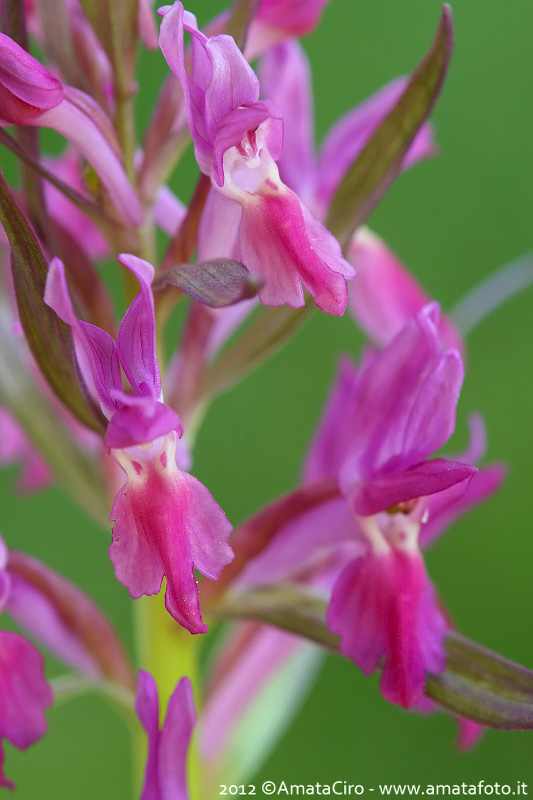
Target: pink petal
<point>99,347</point>
<point>167,524</point>
<point>219,78</point>
<point>174,742</point>
<point>332,441</point>
<point>387,490</point>
<point>24,693</point>
<point>384,606</point>
<point>26,87</point>
<point>136,334</point>
<point>285,79</point>
<point>302,542</point>
<point>64,619</point>
<point>282,243</point>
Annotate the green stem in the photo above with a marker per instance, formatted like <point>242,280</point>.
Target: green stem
<point>168,652</point>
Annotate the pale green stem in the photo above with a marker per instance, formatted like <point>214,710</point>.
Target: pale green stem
<point>168,652</point>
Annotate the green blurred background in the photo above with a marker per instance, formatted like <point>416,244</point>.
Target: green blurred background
<point>452,220</point>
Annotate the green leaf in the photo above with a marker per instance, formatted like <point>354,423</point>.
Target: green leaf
<point>379,162</point>
<point>217,283</point>
<point>49,337</point>
<point>483,686</point>
<point>477,683</point>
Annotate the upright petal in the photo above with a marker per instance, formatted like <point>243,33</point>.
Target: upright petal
<point>136,334</point>
<point>98,346</point>
<point>286,80</point>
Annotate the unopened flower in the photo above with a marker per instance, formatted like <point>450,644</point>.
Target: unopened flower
<point>31,95</point>
<point>166,764</point>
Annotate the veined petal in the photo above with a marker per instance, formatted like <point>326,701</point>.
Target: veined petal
<point>284,245</point>
<point>141,419</point>
<point>136,334</point>
<point>384,606</point>
<point>432,418</point>
<point>388,390</point>
<point>167,524</point>
<point>219,79</point>
<point>387,489</point>
<point>174,742</point>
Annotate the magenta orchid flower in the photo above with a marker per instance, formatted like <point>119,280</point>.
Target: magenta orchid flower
<point>383,604</point>
<point>24,692</point>
<point>31,95</point>
<point>166,773</point>
<point>166,522</point>
<point>237,140</point>
<point>24,695</point>
<point>382,423</point>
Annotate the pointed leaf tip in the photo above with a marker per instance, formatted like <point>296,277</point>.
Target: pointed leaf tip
<point>380,160</point>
